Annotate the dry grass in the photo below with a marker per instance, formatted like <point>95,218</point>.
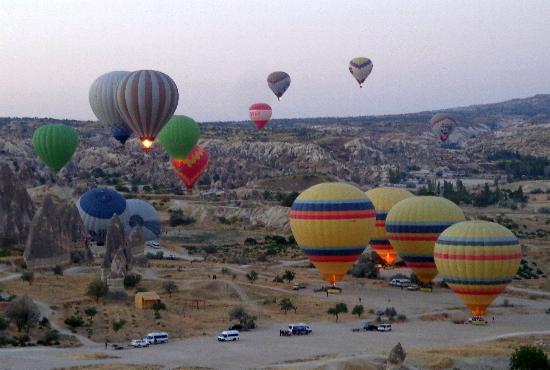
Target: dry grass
<point>89,356</point>
<point>438,358</point>
<point>113,367</point>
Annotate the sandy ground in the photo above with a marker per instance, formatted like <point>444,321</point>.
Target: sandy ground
<point>264,348</point>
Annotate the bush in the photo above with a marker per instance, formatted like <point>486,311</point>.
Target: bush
<point>24,313</point>
<point>338,309</point>
<point>358,310</point>
<point>364,268</point>
<point>97,289</point>
<point>51,336</point>
<point>252,276</point>
<point>131,280</point>
<point>529,358</point>
<point>74,322</point>
<point>157,306</point>
<point>287,305</point>
<point>57,270</point>
<point>250,241</point>
<point>170,287</point>
<point>247,321</point>
<point>278,279</point>
<point>117,325</point>
<point>28,276</point>
<point>177,218</point>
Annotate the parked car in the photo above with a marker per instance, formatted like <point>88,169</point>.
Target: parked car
<point>370,327</point>
<point>413,287</point>
<point>229,336</point>
<point>298,286</point>
<point>400,282</point>
<point>117,346</point>
<point>299,329</point>
<point>138,343</point>
<point>156,338</point>
<point>153,244</point>
<point>384,327</point>
<point>334,290</point>
<point>547,310</point>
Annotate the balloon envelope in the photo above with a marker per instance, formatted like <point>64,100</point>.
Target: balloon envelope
<point>413,225</point>
<point>55,144</point>
<point>102,98</point>
<point>191,168</point>
<point>477,259</point>
<point>179,136</point>
<point>332,223</point>
<point>360,68</point>
<point>146,100</point>
<point>383,200</point>
<point>442,125</point>
<point>278,82</point>
<point>260,114</point>
<point>141,213</point>
<point>97,207</point>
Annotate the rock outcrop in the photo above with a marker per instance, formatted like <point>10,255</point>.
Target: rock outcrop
<point>57,237</point>
<point>136,242</point>
<point>396,358</point>
<point>117,258</point>
<point>16,208</point>
<point>119,265</point>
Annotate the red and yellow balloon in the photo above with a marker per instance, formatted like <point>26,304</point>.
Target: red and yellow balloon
<point>191,168</point>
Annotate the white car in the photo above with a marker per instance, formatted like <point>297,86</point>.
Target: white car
<point>153,244</point>
<point>139,343</point>
<point>384,327</point>
<point>400,282</point>
<point>156,338</point>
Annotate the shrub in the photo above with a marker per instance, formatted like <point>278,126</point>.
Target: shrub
<point>288,275</point>
<point>247,321</point>
<point>225,271</point>
<point>97,289</point>
<point>338,309</point>
<point>177,218</point>
<point>278,279</point>
<point>28,276</point>
<point>51,336</point>
<point>252,276</point>
<point>90,312</point>
<point>157,306</point>
<point>74,322</point>
<point>529,358</point>
<point>117,325</point>
<point>250,241</point>
<point>287,305</point>
<point>24,313</point>
<point>57,270</point>
<point>358,310</point>
<point>170,287</point>
<point>131,280</point>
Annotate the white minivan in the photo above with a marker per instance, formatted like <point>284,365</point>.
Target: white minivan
<point>156,338</point>
<point>384,327</point>
<point>228,336</point>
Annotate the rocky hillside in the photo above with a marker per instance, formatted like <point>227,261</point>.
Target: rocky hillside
<point>356,149</point>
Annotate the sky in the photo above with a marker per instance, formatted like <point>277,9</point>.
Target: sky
<point>427,55</point>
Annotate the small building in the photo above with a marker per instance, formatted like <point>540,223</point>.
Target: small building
<point>146,300</point>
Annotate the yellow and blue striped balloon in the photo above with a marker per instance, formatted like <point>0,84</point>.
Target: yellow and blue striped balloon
<point>477,259</point>
<point>383,200</point>
<point>413,226</point>
<point>332,223</point>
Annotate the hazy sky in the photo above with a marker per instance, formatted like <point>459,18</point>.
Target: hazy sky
<point>426,54</point>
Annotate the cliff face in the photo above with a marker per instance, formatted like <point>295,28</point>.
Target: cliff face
<point>16,208</point>
<point>57,236</point>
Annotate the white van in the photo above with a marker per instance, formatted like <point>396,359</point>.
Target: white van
<point>384,327</point>
<point>228,336</point>
<point>400,282</point>
<point>156,338</point>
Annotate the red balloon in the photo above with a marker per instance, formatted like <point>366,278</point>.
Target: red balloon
<point>260,114</point>
<point>191,168</point>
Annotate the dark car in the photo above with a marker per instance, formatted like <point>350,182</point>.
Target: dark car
<point>547,310</point>
<point>117,346</point>
<point>238,327</point>
<point>299,329</point>
<point>370,327</point>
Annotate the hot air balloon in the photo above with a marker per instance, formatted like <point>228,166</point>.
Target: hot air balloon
<point>260,114</point>
<point>146,100</point>
<point>383,200</point>
<point>55,144</point>
<point>97,207</point>
<point>102,98</point>
<point>412,227</point>
<point>442,125</point>
<point>477,259</point>
<point>278,82</point>
<point>140,213</point>
<point>179,136</point>
<point>332,223</point>
<point>191,169</point>
<point>360,68</point>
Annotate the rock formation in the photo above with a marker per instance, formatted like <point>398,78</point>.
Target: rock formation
<point>16,208</point>
<point>57,236</point>
<point>396,358</point>
<point>119,265</point>
<point>117,258</point>
<point>136,242</point>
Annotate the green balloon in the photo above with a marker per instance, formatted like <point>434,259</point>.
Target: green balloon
<point>179,136</point>
<point>55,144</point>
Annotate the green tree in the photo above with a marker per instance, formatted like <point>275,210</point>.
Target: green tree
<point>90,312</point>
<point>529,358</point>
<point>24,313</point>
<point>252,276</point>
<point>338,309</point>
<point>57,270</point>
<point>246,320</point>
<point>131,280</point>
<point>289,275</point>
<point>3,324</point>
<point>97,289</point>
<point>358,310</point>
<point>287,305</point>
<point>170,287</point>
<point>28,276</point>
